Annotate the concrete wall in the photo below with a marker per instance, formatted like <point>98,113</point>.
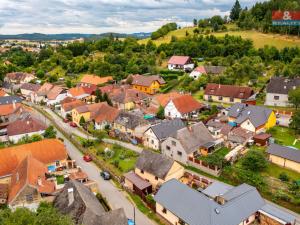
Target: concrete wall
<point>285,163</point>
<point>150,140</point>
<point>174,149</point>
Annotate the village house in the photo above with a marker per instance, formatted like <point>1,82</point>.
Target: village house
<point>242,205</point>
<point>24,128</point>
<point>40,95</point>
<point>88,80</point>
<point>78,202</point>
<point>149,84</point>
<point>278,89</point>
<point>184,63</point>
<point>67,106</point>
<point>10,108</point>
<point>184,107</point>
<point>227,93</point>
<point>256,119</point>
<point>81,177</point>
<point>157,133</point>
<point>23,168</point>
<point>284,156</point>
<point>27,89</point>
<point>128,99</point>
<point>157,169</point>
<point>100,113</point>
<point>160,100</point>
<point>127,123</point>
<point>56,95</point>
<point>204,70</point>
<point>84,93</point>
<point>186,142</point>
<point>18,78</point>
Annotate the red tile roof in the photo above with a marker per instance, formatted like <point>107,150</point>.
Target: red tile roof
<point>228,91</point>
<point>72,105</point>
<point>163,99</point>
<point>54,92</point>
<point>47,151</point>
<point>179,60</point>
<point>28,172</point>
<point>25,126</point>
<point>96,80</point>
<point>81,90</point>
<point>106,113</point>
<point>186,104</point>
<point>9,109</point>
<point>2,93</point>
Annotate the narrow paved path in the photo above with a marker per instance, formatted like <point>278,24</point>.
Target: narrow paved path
<point>116,197</point>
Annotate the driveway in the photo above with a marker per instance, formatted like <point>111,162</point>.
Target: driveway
<point>116,197</point>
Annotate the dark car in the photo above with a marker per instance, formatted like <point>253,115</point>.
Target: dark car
<point>105,175</point>
<point>72,124</point>
<point>87,158</point>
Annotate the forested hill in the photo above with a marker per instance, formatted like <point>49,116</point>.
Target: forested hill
<point>62,37</point>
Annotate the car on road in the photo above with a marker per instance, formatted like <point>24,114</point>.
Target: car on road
<point>105,175</point>
<point>72,124</point>
<point>130,222</point>
<point>87,158</point>
<point>66,120</point>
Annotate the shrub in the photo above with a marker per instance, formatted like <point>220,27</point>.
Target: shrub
<point>284,177</point>
<point>254,161</point>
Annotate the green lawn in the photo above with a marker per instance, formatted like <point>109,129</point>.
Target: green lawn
<point>259,39</point>
<point>284,136</point>
<point>274,171</point>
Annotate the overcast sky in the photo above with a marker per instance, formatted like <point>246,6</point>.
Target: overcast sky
<point>98,16</point>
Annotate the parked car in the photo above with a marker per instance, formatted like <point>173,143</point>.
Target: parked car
<point>105,175</point>
<point>130,222</point>
<point>87,158</point>
<point>72,124</point>
<point>66,120</point>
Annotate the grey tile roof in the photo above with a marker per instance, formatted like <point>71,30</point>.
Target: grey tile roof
<point>195,208</point>
<point>257,115</point>
<point>9,100</point>
<point>216,189</point>
<point>130,120</point>
<point>154,163</point>
<point>284,152</point>
<point>237,192</point>
<point>86,209</point>
<point>30,87</point>
<point>166,128</point>
<point>191,138</point>
<point>278,213</point>
<point>282,85</point>
<point>137,181</point>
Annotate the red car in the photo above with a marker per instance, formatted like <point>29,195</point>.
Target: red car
<point>72,124</point>
<point>66,120</point>
<point>87,158</point>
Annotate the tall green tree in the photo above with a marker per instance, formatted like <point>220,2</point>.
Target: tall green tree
<point>160,113</point>
<point>294,97</point>
<point>235,11</point>
<point>295,122</point>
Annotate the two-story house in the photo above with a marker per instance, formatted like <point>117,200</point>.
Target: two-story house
<point>148,84</point>
<point>184,63</point>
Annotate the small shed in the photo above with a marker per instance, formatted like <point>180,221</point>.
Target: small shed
<point>137,184</point>
<point>262,139</point>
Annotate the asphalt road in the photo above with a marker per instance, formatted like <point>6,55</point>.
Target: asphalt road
<point>115,196</point>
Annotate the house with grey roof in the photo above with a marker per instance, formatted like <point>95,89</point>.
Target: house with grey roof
<point>180,204</point>
<point>186,142</point>
<point>278,89</point>
<point>157,168</point>
<point>256,119</point>
<point>77,201</point>
<point>157,133</point>
<point>285,156</point>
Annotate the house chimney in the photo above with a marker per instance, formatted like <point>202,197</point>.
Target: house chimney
<point>39,181</point>
<point>70,195</point>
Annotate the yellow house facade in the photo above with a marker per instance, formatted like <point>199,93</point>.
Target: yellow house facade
<point>77,115</point>
<point>152,89</point>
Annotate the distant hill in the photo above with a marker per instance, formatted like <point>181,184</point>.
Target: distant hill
<point>63,37</point>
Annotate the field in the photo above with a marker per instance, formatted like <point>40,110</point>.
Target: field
<point>259,39</point>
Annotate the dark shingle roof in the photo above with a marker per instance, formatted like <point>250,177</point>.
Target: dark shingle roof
<point>274,211</point>
<point>195,208</point>
<point>257,115</point>
<point>166,128</point>
<point>154,163</point>
<point>129,120</point>
<point>86,209</point>
<point>146,80</point>
<point>231,91</point>
<point>284,152</point>
<point>9,100</point>
<point>282,85</point>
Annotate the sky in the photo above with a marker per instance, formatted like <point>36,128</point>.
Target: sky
<point>99,16</point>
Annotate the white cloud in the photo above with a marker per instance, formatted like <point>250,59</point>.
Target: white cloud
<point>97,16</point>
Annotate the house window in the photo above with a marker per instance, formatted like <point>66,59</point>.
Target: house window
<point>152,142</point>
<point>276,97</point>
<point>173,143</point>
<point>164,210</point>
<point>179,153</point>
<point>142,171</point>
<point>156,178</point>
<point>231,99</point>
<point>168,147</point>
<point>220,98</point>
<point>29,198</point>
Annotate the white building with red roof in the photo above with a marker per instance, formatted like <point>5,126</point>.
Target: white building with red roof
<point>180,63</point>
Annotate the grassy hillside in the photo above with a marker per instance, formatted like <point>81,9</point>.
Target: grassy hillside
<point>259,39</point>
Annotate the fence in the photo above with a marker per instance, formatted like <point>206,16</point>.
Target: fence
<point>210,169</point>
